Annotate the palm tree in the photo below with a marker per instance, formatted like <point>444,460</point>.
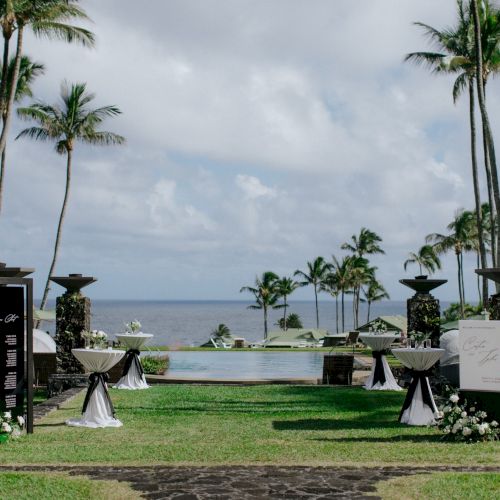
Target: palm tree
<point>46,19</point>
<point>28,71</point>
<point>361,274</point>
<point>265,294</point>
<point>492,19</point>
<point>284,287</point>
<point>66,125</point>
<point>459,240</point>
<point>315,274</point>
<point>367,243</point>
<point>343,279</point>
<point>456,55</point>
<point>373,293</point>
<point>331,285</point>
<point>426,258</point>
<point>222,330</point>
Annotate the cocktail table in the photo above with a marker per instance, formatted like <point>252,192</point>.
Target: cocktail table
<point>98,410</point>
<point>381,377</point>
<point>419,407</point>
<point>133,373</point>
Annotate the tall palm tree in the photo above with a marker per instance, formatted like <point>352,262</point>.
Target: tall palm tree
<point>456,55</point>
<point>487,16</point>
<point>367,243</point>
<point>46,19</point>
<point>314,275</point>
<point>459,240</point>
<point>330,285</point>
<point>73,121</point>
<point>343,278</point>
<point>373,293</point>
<point>426,258</point>
<point>28,71</point>
<point>361,274</point>
<point>265,295</point>
<point>284,287</point>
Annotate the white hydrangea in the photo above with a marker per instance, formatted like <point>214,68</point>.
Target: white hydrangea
<point>494,423</point>
<point>463,414</point>
<point>482,428</point>
<point>20,421</point>
<point>6,428</point>
<point>454,398</point>
<point>7,415</point>
<point>466,431</point>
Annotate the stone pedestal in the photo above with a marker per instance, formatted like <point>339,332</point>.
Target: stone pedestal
<point>423,309</point>
<point>72,316</point>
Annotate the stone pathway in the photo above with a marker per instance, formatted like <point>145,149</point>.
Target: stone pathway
<point>248,482</point>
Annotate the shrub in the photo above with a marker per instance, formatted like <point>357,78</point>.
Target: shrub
<point>292,321</point>
<point>155,365</point>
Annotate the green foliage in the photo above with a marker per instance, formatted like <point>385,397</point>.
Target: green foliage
<point>155,365</point>
<point>452,312</point>
<point>221,331</point>
<point>292,321</point>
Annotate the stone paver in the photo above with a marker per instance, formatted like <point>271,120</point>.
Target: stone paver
<point>248,482</point>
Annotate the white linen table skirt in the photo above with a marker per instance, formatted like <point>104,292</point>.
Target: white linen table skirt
<point>134,379</point>
<point>379,343</point>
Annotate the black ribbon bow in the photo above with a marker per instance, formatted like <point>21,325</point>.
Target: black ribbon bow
<point>95,379</point>
<point>132,356</point>
<point>378,372</point>
<point>424,387</point>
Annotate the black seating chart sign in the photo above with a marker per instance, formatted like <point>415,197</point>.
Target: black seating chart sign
<point>12,349</point>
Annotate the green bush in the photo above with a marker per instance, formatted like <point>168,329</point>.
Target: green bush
<point>155,365</point>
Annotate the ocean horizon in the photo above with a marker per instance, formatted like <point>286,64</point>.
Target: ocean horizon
<point>190,322</point>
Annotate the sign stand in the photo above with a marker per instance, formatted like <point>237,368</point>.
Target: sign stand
<point>16,293</point>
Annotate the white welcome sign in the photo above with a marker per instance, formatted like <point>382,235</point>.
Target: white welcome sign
<point>479,343</point>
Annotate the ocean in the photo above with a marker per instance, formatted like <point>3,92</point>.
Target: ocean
<point>189,323</point>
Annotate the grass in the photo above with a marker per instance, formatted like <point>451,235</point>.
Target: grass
<point>188,424</point>
<point>26,486</point>
<point>442,486</point>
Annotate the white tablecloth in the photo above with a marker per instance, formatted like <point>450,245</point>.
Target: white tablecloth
<point>419,413</point>
<point>380,343</point>
<point>133,379</point>
<point>98,412</point>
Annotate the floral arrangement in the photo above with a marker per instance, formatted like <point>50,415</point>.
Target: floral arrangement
<point>94,338</point>
<point>419,337</point>
<point>378,327</point>
<point>463,422</point>
<point>10,427</point>
<point>133,326</point>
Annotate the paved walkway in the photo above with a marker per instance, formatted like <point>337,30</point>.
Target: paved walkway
<point>250,482</point>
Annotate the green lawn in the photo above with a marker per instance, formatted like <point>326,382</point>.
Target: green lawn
<point>188,424</point>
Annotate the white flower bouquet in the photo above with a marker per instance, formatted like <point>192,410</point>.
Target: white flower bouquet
<point>133,327</point>
<point>378,327</point>
<point>95,339</point>
<point>463,422</point>
<point>10,428</point>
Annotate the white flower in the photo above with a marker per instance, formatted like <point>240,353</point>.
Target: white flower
<point>446,409</point>
<point>7,415</point>
<point>440,414</point>
<point>20,421</point>
<point>6,428</point>
<point>494,423</point>
<point>482,429</point>
<point>454,398</point>
<point>482,414</point>
<point>466,431</point>
<point>463,414</point>
<point>457,409</point>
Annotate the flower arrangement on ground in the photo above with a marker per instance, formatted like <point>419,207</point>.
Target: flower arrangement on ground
<point>10,428</point>
<point>133,327</point>
<point>95,338</point>
<point>464,422</point>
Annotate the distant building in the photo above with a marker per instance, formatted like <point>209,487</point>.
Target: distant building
<point>393,323</point>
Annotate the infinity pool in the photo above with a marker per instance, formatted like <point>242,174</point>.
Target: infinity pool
<point>245,365</point>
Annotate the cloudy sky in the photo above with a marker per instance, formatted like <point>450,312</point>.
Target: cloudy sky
<point>260,134</point>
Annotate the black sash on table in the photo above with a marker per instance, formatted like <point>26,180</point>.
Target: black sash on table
<point>132,356</point>
<point>94,380</point>
<point>424,386</point>
<point>378,372</point>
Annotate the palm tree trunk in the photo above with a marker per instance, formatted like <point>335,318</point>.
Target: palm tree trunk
<point>484,115</point>
<point>491,201</point>
<point>265,322</point>
<point>2,173</point>
<point>460,297</point>
<point>337,312</point>
<point>12,91</point>
<point>284,313</point>
<point>316,300</point>
<point>462,275</point>
<point>368,313</point>
<point>59,231</point>
<point>343,311</point>
<point>477,195</point>
<point>7,30</point>
<point>479,282</point>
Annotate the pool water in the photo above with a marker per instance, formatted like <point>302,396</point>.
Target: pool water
<point>245,365</point>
